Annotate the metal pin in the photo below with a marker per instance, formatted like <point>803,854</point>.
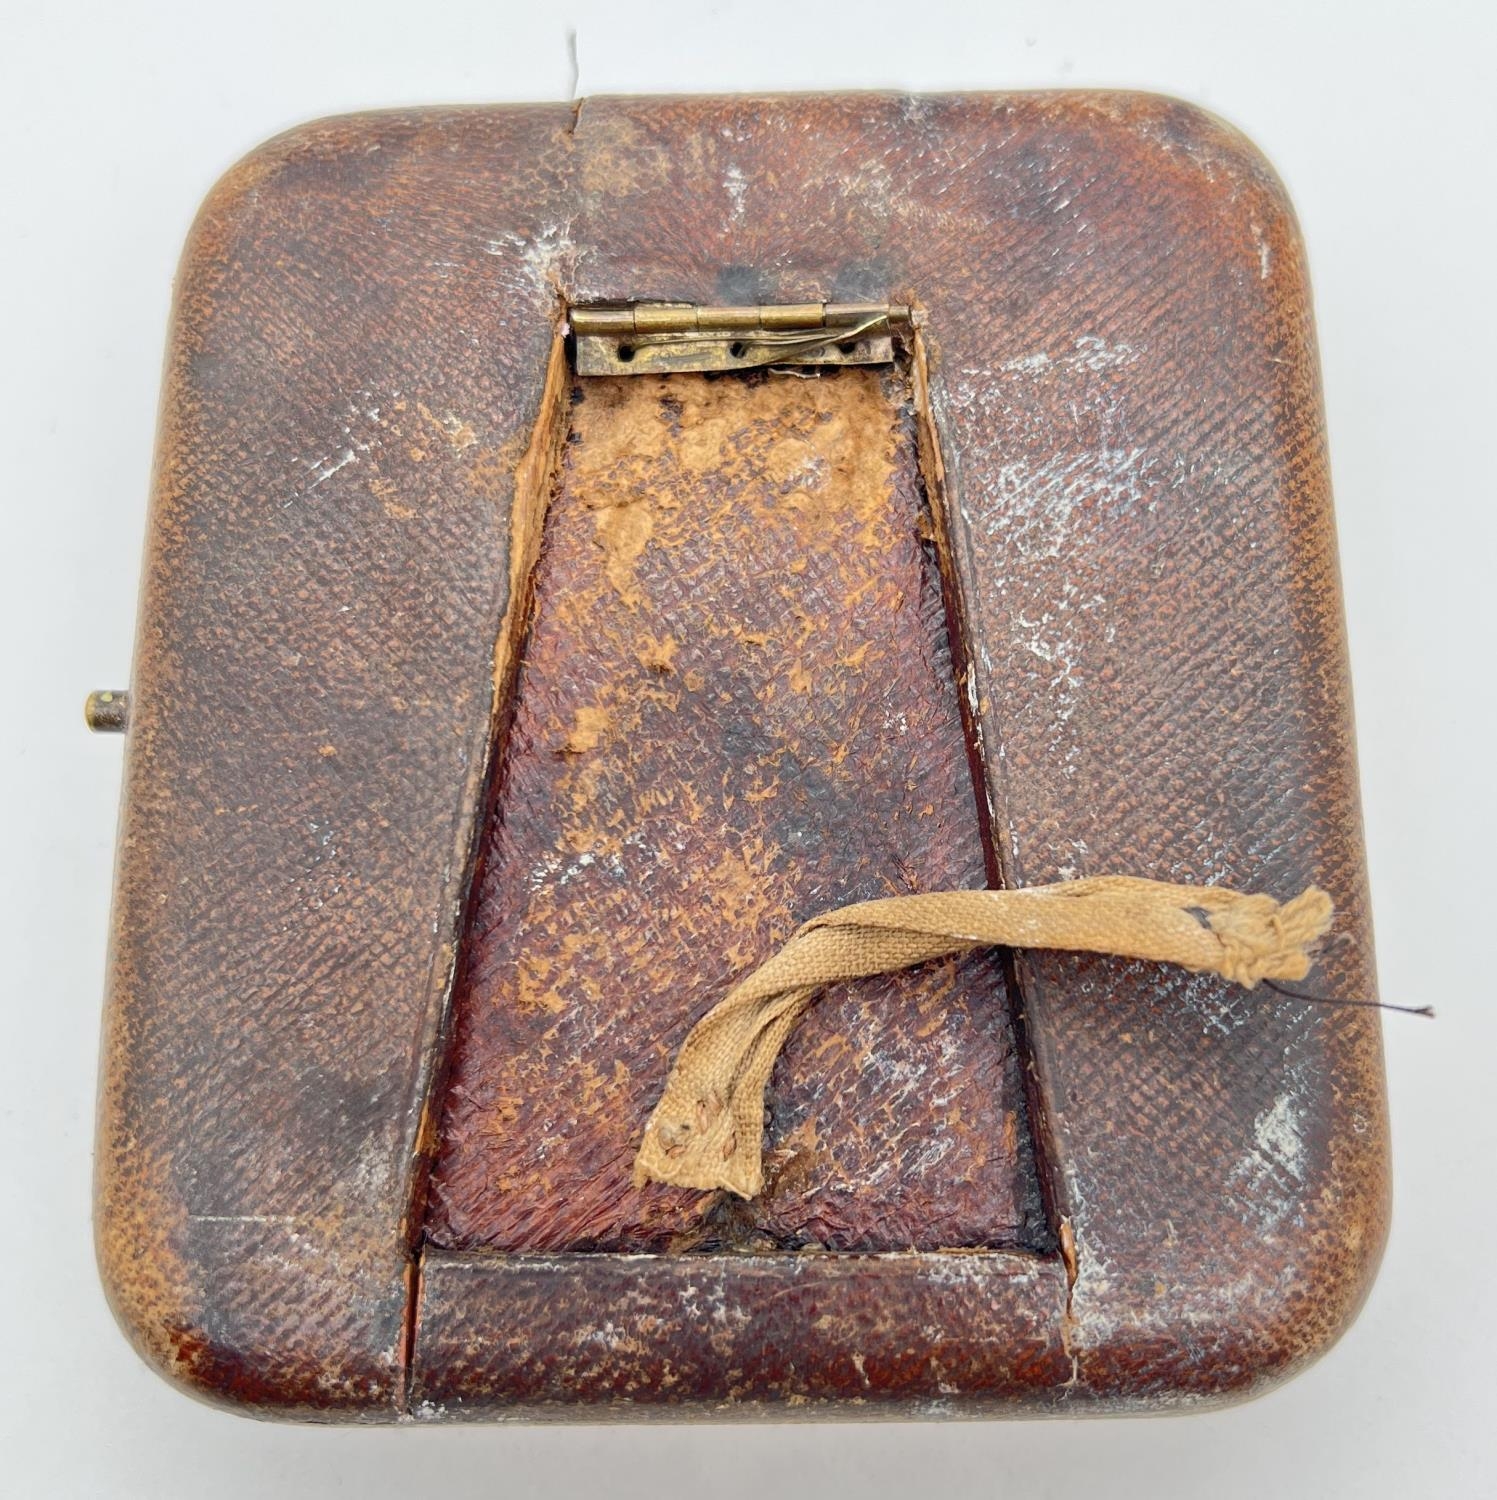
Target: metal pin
<point>107,712</point>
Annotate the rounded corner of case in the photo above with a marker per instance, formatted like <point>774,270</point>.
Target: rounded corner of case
<point>1221,151</point>
<point>166,1318</point>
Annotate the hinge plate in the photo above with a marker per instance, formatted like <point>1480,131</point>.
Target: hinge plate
<point>664,338</point>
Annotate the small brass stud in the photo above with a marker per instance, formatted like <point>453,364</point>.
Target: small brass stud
<point>107,712</point>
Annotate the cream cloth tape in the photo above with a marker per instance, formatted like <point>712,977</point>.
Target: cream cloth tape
<point>705,1131</point>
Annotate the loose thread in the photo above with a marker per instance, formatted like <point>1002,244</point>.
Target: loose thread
<point>1406,1010</point>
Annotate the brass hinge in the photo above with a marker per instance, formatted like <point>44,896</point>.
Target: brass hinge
<point>654,338</point>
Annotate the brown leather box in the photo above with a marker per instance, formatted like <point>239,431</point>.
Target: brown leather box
<point>490,716</point>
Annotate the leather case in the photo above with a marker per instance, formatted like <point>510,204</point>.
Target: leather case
<point>488,719</point>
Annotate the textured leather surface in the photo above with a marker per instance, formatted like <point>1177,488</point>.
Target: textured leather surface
<point>1123,380</point>
<point>355,363</point>
<point>858,1335</point>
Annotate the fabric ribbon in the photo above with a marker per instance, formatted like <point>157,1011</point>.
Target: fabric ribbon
<point>706,1130</point>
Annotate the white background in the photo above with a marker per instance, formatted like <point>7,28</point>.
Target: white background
<point>116,118</point>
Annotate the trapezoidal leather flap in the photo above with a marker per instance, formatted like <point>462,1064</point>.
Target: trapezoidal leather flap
<point>736,709</point>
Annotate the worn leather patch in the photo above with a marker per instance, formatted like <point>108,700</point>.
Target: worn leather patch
<point>736,708</point>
